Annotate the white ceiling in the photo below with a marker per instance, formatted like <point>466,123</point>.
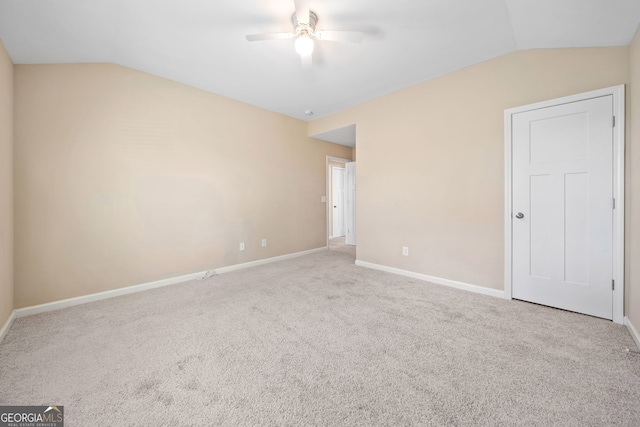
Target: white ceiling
<point>202,42</point>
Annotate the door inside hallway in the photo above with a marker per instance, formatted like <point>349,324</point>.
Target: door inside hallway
<point>338,202</point>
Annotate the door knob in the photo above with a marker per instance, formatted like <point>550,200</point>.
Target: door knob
<point>335,206</point>
<point>519,215</point>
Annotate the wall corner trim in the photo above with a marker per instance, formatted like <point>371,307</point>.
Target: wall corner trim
<point>632,331</point>
<point>70,302</point>
<point>7,325</point>
<point>437,280</point>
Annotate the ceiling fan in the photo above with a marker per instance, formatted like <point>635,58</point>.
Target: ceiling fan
<point>304,23</point>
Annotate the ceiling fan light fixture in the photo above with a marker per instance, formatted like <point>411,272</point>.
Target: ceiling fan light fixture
<point>304,45</point>
<point>304,32</point>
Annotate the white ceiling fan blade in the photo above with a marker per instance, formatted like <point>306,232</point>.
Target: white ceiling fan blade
<point>340,36</point>
<point>307,62</point>
<point>270,36</point>
<point>302,11</point>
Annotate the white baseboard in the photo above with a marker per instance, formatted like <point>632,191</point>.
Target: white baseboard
<point>268,260</point>
<point>70,302</point>
<point>438,280</point>
<point>632,331</point>
<point>7,325</point>
<point>57,305</point>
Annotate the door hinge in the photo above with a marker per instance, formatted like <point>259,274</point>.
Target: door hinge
<point>614,121</point>
<point>613,285</point>
<point>614,203</point>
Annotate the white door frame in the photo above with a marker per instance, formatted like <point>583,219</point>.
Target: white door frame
<point>327,172</point>
<point>618,188</point>
<point>350,199</point>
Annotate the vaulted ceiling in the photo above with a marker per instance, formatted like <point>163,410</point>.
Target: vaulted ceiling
<point>202,42</point>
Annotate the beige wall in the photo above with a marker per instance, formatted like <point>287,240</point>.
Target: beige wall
<point>430,158</point>
<point>633,188</point>
<point>6,185</point>
<point>123,178</point>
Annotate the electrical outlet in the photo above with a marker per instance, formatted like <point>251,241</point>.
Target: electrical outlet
<point>264,242</point>
<point>405,250</point>
<point>242,246</point>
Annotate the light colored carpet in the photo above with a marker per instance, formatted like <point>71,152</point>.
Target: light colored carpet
<point>320,341</point>
<point>339,244</point>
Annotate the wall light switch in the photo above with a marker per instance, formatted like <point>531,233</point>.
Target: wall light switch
<point>323,199</point>
<point>242,246</point>
<point>264,242</point>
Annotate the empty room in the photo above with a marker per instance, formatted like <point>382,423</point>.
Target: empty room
<point>319,212</point>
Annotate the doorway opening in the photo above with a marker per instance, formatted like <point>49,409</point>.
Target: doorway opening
<point>345,197</point>
<point>340,199</point>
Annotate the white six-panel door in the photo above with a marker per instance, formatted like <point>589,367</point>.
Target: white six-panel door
<point>337,198</point>
<point>562,206</point>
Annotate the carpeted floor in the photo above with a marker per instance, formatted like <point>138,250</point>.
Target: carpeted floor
<point>339,244</point>
<point>320,341</point>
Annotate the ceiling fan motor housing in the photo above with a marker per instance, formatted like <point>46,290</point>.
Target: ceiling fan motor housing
<point>302,29</point>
